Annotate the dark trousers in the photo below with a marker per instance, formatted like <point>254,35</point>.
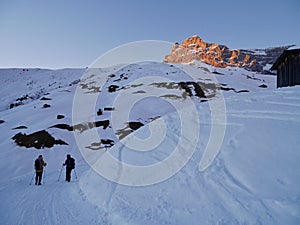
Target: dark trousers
<point>38,177</point>
<point>68,174</point>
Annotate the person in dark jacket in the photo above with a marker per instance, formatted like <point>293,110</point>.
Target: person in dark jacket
<point>70,164</point>
<point>39,165</point>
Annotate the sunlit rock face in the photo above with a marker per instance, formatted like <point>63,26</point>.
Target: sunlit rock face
<point>194,48</point>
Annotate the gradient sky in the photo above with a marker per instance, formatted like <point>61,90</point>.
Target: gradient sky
<point>64,34</point>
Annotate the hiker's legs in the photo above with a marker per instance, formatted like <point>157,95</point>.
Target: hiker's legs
<point>68,174</point>
<point>38,177</point>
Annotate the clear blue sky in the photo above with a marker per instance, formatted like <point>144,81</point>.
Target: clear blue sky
<point>59,34</point>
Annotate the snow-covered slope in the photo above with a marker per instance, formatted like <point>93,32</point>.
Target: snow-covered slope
<point>23,85</point>
<point>253,179</point>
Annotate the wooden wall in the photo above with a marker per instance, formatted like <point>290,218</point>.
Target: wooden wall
<point>288,72</point>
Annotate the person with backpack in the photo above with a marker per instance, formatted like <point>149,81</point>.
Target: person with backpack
<point>70,164</point>
<point>39,165</point>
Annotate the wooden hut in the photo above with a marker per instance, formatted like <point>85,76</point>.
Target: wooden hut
<point>288,68</point>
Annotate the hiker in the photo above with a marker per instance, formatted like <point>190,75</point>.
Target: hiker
<point>39,165</point>
<point>70,164</point>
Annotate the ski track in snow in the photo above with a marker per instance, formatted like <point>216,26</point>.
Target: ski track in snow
<point>114,185</point>
<point>51,203</point>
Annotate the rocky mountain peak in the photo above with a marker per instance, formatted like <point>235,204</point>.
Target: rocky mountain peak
<point>195,48</point>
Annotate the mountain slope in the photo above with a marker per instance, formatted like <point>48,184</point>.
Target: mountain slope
<point>32,84</point>
<point>253,180</point>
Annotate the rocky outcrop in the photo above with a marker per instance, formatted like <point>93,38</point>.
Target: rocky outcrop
<point>194,48</point>
<point>38,140</point>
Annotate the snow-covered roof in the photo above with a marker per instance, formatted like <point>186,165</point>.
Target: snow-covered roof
<point>294,47</point>
<point>283,55</point>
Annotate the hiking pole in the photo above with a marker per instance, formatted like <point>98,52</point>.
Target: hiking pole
<point>31,179</point>
<point>75,174</point>
<point>44,176</point>
<point>60,173</point>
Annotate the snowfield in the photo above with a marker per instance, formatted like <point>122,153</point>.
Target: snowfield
<point>254,178</point>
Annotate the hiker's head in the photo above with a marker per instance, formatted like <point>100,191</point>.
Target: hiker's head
<point>40,156</point>
<point>68,156</point>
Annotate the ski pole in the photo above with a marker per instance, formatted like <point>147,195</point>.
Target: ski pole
<point>44,176</point>
<point>75,174</point>
<point>60,173</point>
<point>31,179</point>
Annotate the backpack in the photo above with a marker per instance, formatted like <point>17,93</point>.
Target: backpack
<point>72,163</point>
<point>38,165</point>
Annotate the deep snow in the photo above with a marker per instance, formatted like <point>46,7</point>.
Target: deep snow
<point>253,180</point>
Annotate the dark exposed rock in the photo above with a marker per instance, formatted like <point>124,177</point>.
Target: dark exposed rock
<point>104,143</point>
<point>232,89</point>
<point>123,76</point>
<point>191,88</point>
<point>131,127</point>
<point>135,125</point>
<point>20,127</point>
<point>107,142</point>
<point>227,89</point>
<point>99,112</point>
<point>45,99</point>
<point>196,87</point>
<point>12,105</point>
<point>90,87</point>
<point>103,123</point>
<point>242,91</point>
<point>59,117</point>
<point>215,72</point>
<point>263,86</point>
<point>112,88</point>
<point>63,127</point>
<point>25,97</point>
<point>46,106</point>
<point>109,109</point>
<point>38,140</point>
<point>2,121</point>
<point>185,87</point>
<point>83,126</point>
